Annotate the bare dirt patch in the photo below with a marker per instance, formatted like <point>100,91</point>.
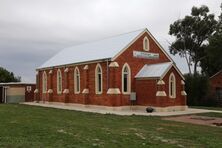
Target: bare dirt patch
<point>194,119</point>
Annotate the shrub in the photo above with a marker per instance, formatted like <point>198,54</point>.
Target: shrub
<point>197,88</point>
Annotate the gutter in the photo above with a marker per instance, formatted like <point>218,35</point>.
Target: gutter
<point>75,64</point>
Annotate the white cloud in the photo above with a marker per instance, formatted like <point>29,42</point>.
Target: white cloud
<point>31,31</point>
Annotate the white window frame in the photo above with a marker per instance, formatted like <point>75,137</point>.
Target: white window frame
<point>44,82</point>
<point>77,77</point>
<point>59,81</point>
<point>146,44</point>
<point>172,88</point>
<point>97,80</point>
<point>128,78</point>
<point>28,88</point>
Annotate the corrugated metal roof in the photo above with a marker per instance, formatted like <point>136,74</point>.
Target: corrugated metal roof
<point>102,49</point>
<point>153,70</point>
<point>17,83</point>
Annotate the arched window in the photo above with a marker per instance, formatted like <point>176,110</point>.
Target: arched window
<point>146,45</point>
<point>76,80</point>
<point>126,79</point>
<point>59,81</point>
<point>44,82</point>
<point>98,79</point>
<point>172,86</point>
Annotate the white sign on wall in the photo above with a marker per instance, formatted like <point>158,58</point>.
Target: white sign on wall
<point>145,55</point>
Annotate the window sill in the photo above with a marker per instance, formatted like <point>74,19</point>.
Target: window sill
<point>172,97</point>
<point>59,93</point>
<point>99,93</point>
<point>147,50</point>
<point>126,93</point>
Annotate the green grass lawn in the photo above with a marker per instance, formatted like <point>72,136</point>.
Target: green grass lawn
<point>27,126</point>
<point>205,107</point>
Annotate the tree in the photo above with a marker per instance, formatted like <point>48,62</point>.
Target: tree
<point>213,61</point>
<point>6,76</point>
<point>192,33</point>
<point>219,30</point>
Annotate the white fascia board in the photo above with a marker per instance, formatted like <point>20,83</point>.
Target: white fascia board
<point>173,65</point>
<point>75,64</point>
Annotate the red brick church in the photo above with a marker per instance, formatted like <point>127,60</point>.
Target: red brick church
<point>127,70</point>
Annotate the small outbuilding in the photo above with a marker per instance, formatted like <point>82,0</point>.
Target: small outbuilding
<point>216,87</point>
<point>16,92</point>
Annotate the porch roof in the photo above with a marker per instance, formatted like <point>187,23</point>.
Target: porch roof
<point>154,70</point>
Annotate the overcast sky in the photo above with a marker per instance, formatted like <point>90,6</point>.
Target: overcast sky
<point>31,31</point>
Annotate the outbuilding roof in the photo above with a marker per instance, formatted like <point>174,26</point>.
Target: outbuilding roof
<point>92,51</point>
<point>220,71</point>
<point>154,70</point>
<point>17,83</point>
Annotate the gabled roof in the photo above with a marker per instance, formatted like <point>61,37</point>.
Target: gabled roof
<point>153,70</point>
<point>106,49</point>
<point>152,37</point>
<point>92,51</point>
<point>216,74</point>
<point>156,70</point>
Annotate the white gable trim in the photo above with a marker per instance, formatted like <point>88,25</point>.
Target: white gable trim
<point>127,46</point>
<point>164,74</point>
<point>179,71</point>
<point>166,71</point>
<point>158,44</point>
<point>216,74</point>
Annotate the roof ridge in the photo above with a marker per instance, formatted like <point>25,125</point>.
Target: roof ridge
<point>142,29</point>
<point>104,38</point>
<point>96,49</point>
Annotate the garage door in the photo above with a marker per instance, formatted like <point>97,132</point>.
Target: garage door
<point>15,94</point>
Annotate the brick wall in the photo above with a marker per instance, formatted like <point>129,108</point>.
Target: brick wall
<point>108,78</point>
<point>29,96</point>
<point>215,82</point>
<point>146,92</point>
